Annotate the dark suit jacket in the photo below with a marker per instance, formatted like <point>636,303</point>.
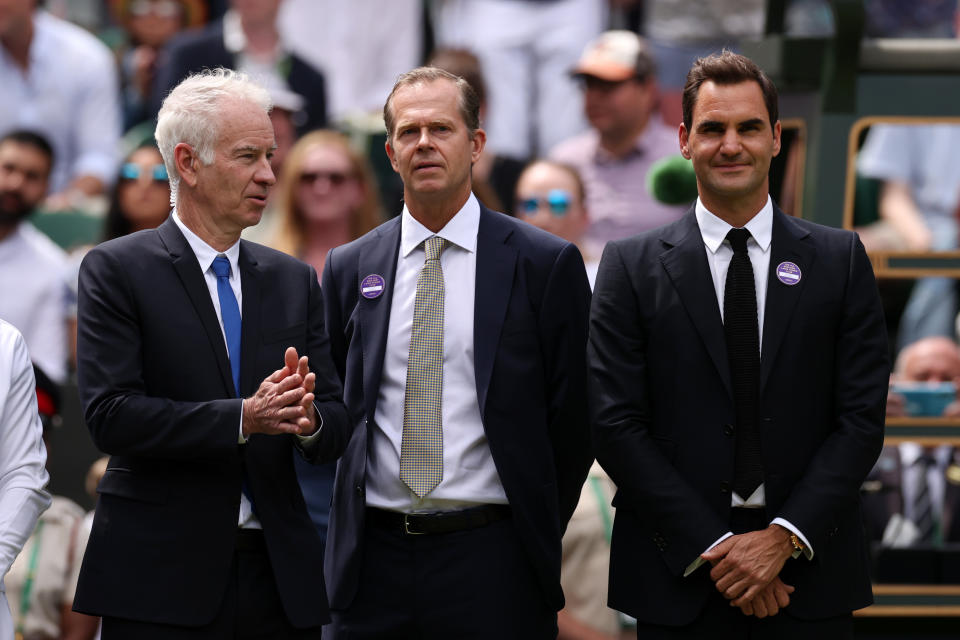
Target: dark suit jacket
<point>157,392</point>
<point>199,49</point>
<point>530,323</point>
<point>663,412</point>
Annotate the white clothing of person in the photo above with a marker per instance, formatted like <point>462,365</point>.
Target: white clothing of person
<point>469,474</point>
<point>35,296</point>
<point>23,458</point>
<point>719,254</point>
<point>70,94</point>
<point>527,49</point>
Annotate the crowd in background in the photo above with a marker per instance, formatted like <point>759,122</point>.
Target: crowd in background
<point>577,109</point>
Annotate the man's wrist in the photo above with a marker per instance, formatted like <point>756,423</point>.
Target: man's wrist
<point>787,540</point>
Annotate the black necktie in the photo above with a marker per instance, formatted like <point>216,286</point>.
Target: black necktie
<point>743,352</point>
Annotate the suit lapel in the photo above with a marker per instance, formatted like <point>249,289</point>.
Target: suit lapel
<point>685,262</point>
<point>787,245</point>
<point>496,261</point>
<point>250,327</point>
<point>188,269</point>
<point>374,313</point>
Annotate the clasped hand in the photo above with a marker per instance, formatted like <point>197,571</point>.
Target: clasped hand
<point>284,401</point>
<point>746,570</point>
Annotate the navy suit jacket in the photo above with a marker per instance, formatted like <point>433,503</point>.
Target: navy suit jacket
<point>158,396</point>
<point>199,49</point>
<point>662,412</point>
<point>530,324</point>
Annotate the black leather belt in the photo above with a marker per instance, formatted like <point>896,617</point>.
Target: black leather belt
<point>250,540</point>
<point>437,522</point>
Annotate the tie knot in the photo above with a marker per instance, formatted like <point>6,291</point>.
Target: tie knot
<point>435,247</point>
<point>738,239</point>
<point>221,266</point>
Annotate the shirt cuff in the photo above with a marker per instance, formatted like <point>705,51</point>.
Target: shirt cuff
<point>693,566</point>
<point>306,440</point>
<point>241,439</point>
<point>808,550</point>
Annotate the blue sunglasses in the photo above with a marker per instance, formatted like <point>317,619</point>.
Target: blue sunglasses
<point>558,200</point>
<point>131,171</point>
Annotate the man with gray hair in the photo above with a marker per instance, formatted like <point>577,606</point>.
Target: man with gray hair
<point>202,362</point>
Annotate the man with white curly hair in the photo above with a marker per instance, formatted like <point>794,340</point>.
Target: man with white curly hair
<point>202,361</point>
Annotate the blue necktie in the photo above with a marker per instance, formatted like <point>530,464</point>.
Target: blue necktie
<point>230,314</point>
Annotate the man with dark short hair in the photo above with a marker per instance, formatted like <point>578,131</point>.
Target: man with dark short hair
<point>460,336</point>
<point>739,370</point>
<point>34,294</point>
<point>202,364</point>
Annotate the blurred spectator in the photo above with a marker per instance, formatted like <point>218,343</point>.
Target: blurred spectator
<point>141,199</point>
<point>326,197</point>
<point>494,176</point>
<point>34,296</point>
<point>526,48</point>
<point>618,73</point>
<point>149,24</point>
<point>912,494</point>
<point>550,195</point>
<point>247,40</point>
<point>61,81</point>
<point>361,46</point>
<point>23,474</point>
<point>918,202</point>
<point>42,581</point>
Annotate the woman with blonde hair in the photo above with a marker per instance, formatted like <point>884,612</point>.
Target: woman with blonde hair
<point>326,196</point>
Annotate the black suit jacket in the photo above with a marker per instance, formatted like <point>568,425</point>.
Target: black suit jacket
<point>199,49</point>
<point>662,413</point>
<point>157,392</point>
<point>530,324</point>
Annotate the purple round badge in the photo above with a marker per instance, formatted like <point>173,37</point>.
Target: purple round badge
<point>788,273</point>
<point>372,286</point>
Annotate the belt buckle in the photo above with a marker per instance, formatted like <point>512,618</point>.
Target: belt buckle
<point>406,526</point>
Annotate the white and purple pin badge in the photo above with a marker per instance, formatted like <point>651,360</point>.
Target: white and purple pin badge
<point>788,273</point>
<point>372,286</point>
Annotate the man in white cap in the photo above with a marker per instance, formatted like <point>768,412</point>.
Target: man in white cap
<point>618,74</point>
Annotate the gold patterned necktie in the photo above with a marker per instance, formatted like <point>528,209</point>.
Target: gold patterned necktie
<point>421,448</point>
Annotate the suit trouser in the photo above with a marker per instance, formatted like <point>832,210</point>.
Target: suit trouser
<point>251,607</point>
<point>719,621</point>
<point>476,583</point>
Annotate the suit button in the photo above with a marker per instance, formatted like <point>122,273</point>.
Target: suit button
<point>833,532</point>
<point>724,487</point>
<point>359,489</point>
<point>728,430</point>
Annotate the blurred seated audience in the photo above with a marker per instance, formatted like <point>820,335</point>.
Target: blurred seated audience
<point>911,496</point>
<point>34,293</point>
<point>246,39</point>
<point>62,82</point>
<point>918,205</point>
<point>325,197</point>
<point>626,137</point>
<point>550,195</point>
<point>41,583</point>
<point>149,25</point>
<point>494,175</point>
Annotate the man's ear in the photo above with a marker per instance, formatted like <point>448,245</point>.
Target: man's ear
<point>187,162</point>
<point>392,155</point>
<point>684,140</point>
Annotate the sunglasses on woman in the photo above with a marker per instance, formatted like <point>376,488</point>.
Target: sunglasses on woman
<point>132,171</point>
<point>558,201</point>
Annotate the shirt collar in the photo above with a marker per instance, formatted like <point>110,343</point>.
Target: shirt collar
<point>714,230</point>
<point>204,252</point>
<point>461,230</point>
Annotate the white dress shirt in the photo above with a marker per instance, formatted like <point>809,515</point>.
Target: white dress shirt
<point>23,473</point>
<point>719,254</point>
<point>69,93</point>
<point>936,478</point>
<point>205,256</point>
<point>469,474</point>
